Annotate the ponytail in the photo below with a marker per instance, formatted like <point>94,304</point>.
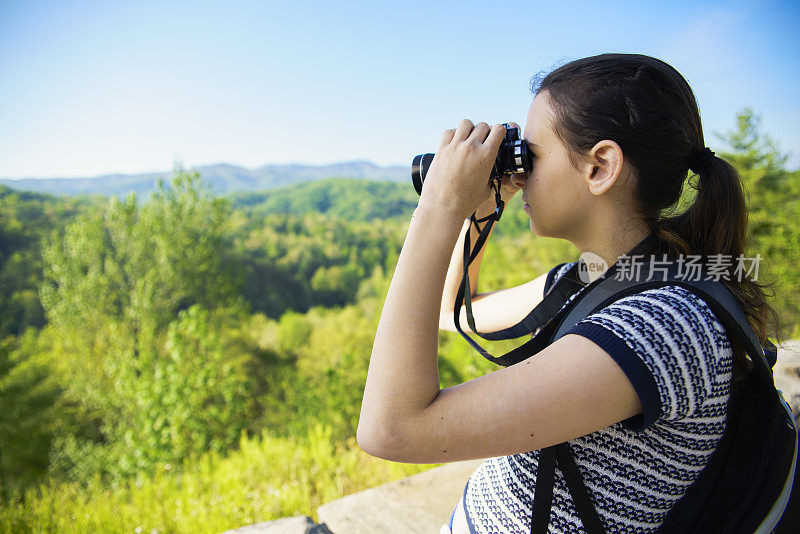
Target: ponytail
<point>716,224</point>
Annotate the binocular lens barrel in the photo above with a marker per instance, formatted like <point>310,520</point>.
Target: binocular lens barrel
<point>419,168</point>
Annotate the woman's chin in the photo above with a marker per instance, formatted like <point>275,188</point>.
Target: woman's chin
<point>535,229</point>
<point>538,231</point>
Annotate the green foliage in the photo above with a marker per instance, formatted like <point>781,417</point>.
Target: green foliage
<point>773,203</point>
<point>200,393</point>
<point>27,412</point>
<point>753,149</point>
<point>266,478</point>
<point>149,387</point>
<point>322,379</point>
<point>191,395</point>
<point>296,262</point>
<point>343,198</point>
<point>142,264</point>
<point>24,219</point>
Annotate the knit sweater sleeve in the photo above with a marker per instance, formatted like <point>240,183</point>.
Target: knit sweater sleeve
<point>669,344</point>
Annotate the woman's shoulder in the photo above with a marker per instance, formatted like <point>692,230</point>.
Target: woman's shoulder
<point>668,299</point>
<point>668,304</point>
<point>668,312</point>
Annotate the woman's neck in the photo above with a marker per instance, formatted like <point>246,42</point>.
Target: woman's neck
<point>609,246</point>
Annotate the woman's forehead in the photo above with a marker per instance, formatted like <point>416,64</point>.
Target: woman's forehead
<point>539,126</point>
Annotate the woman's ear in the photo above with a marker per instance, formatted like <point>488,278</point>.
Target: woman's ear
<point>604,167</point>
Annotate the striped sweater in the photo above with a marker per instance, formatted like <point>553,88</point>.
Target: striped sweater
<point>678,358</point>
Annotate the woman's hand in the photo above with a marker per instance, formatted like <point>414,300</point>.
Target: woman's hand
<point>458,178</point>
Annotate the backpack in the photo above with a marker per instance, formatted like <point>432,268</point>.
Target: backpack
<point>747,483</point>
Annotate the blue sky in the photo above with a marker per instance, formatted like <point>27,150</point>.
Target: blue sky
<point>88,88</point>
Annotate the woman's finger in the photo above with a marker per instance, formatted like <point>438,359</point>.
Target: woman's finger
<point>447,138</point>
<point>479,133</point>
<point>463,130</point>
<point>495,137</point>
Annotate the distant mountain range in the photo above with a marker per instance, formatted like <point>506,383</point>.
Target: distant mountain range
<point>223,178</point>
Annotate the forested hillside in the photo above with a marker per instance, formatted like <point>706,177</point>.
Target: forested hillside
<point>192,363</point>
<point>221,178</point>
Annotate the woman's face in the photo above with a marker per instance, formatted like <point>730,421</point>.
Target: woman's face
<point>554,192</point>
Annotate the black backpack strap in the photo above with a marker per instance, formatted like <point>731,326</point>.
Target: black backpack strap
<point>577,488</point>
<point>544,315</point>
<point>543,496</point>
<point>565,287</point>
<point>551,305</point>
<point>545,481</point>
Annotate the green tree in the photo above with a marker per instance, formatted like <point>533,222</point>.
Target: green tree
<point>143,264</point>
<point>752,149</point>
<point>114,282</point>
<point>24,219</point>
<point>27,418</point>
<point>296,262</point>
<point>349,199</point>
<point>193,397</point>
<point>773,200</point>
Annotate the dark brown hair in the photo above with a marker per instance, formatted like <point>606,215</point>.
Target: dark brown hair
<point>647,108</point>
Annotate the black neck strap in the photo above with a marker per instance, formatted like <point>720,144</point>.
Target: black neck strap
<point>545,314</point>
<point>464,297</point>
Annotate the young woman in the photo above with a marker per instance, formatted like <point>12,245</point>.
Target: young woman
<point>640,388</point>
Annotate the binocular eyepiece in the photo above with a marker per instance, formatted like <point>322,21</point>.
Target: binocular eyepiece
<point>513,157</point>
